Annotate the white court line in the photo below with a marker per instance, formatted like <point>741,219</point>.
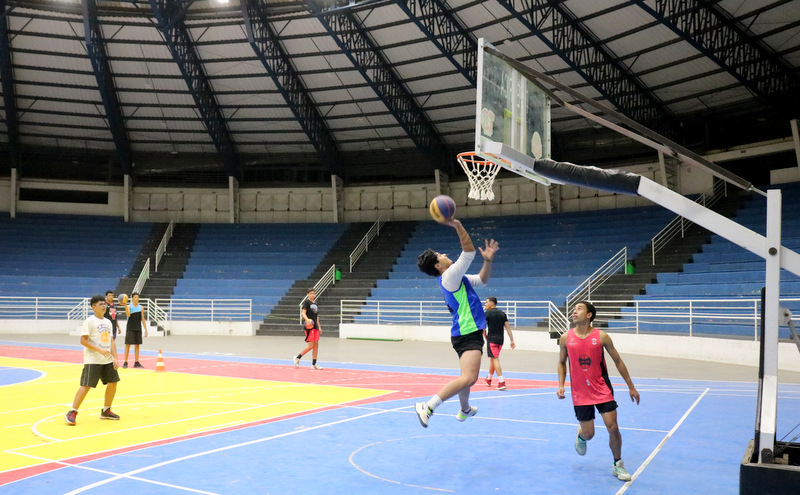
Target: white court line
<point>660,445</point>
<point>130,474</point>
<point>110,473</point>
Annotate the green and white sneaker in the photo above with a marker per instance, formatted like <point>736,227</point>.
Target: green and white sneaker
<point>462,416</point>
<point>620,472</point>
<point>580,443</point>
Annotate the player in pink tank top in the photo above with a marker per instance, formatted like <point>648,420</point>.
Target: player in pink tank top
<point>584,347</point>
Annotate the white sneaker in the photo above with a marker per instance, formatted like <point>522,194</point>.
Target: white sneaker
<point>423,413</point>
<point>580,443</point>
<point>316,367</point>
<point>462,416</point>
<point>620,472</point>
<point>296,361</point>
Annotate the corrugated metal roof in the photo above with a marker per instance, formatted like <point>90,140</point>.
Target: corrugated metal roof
<point>414,81</point>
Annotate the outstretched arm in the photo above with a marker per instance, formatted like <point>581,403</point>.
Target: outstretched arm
<point>463,235</point>
<point>488,257</point>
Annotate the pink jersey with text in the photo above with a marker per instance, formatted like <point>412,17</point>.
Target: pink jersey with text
<point>587,369</point>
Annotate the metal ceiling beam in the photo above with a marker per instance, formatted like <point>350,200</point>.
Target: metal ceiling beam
<point>9,95</point>
<point>585,54</point>
<point>96,48</point>
<point>345,28</point>
<point>289,83</point>
<point>446,32</point>
<point>716,35</point>
<point>169,14</point>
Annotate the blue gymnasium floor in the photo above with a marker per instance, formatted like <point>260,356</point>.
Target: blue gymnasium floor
<point>685,437</point>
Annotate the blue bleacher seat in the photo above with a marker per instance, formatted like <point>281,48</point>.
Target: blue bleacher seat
<point>47,255</point>
<point>254,261</point>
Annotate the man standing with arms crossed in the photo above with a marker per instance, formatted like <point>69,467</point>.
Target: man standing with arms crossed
<point>591,386</point>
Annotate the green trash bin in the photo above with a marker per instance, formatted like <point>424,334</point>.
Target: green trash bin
<point>630,268</point>
<point>337,275</point>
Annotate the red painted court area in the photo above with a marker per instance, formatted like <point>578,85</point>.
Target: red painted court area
<point>393,386</point>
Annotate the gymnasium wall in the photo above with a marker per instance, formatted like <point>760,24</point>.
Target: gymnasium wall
<point>513,196</point>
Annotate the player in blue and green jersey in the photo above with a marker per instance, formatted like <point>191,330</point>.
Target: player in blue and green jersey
<point>469,320</point>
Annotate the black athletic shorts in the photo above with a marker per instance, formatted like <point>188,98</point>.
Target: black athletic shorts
<point>469,342</point>
<point>93,372</point>
<point>586,413</point>
<point>133,337</point>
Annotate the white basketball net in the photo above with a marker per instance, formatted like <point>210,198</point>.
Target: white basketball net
<point>481,173</point>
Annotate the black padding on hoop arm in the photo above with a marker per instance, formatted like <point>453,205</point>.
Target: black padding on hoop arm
<point>588,176</point>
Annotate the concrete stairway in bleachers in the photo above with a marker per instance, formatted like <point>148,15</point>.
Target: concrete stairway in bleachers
<point>670,258</point>
<point>173,263</point>
<point>127,283</point>
<point>373,265</point>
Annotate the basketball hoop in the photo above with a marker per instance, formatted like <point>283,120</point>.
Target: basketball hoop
<point>481,171</point>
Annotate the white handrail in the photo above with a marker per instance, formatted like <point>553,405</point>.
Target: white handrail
<point>144,276</point>
<point>653,316</point>
<point>363,246</point>
<point>679,224</point>
<point>433,312</point>
<point>326,281</point>
<point>596,279</point>
<point>162,247</point>
<point>157,313</point>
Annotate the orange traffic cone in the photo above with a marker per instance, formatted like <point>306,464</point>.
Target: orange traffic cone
<point>160,362</point>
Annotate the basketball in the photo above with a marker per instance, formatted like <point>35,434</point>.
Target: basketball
<point>123,298</point>
<point>442,208</point>
<point>308,324</point>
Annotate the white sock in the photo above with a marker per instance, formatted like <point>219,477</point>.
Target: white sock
<point>434,402</point>
<point>500,378</point>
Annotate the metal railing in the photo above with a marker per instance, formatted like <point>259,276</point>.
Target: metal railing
<point>718,317</point>
<point>363,246</point>
<point>434,312</point>
<point>678,225</point>
<point>162,247</point>
<point>161,311</point>
<point>324,282</point>
<point>144,276</point>
<point>205,309</point>
<point>724,318</point>
<point>595,280</point>
<point>154,312</point>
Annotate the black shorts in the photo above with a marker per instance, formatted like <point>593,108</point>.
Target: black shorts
<point>93,372</point>
<point>133,337</point>
<point>469,342</point>
<point>586,413</point>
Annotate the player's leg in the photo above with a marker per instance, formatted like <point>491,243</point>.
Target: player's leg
<point>79,396</point>
<point>127,350</point>
<point>111,392</point>
<point>614,435</point>
<point>470,363</point>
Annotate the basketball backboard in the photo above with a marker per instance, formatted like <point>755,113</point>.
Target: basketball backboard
<point>512,115</point>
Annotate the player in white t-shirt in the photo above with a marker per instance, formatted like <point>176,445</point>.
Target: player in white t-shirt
<point>99,361</point>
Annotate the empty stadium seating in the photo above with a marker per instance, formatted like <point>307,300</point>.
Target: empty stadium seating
<point>66,255</point>
<point>541,257</point>
<point>254,261</point>
<point>724,270</point>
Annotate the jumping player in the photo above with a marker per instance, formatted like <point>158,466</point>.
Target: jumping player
<point>469,320</point>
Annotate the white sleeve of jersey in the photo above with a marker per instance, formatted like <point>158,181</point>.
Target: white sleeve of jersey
<point>451,278</point>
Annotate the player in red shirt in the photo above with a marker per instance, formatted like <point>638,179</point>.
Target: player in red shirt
<point>591,387</point>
